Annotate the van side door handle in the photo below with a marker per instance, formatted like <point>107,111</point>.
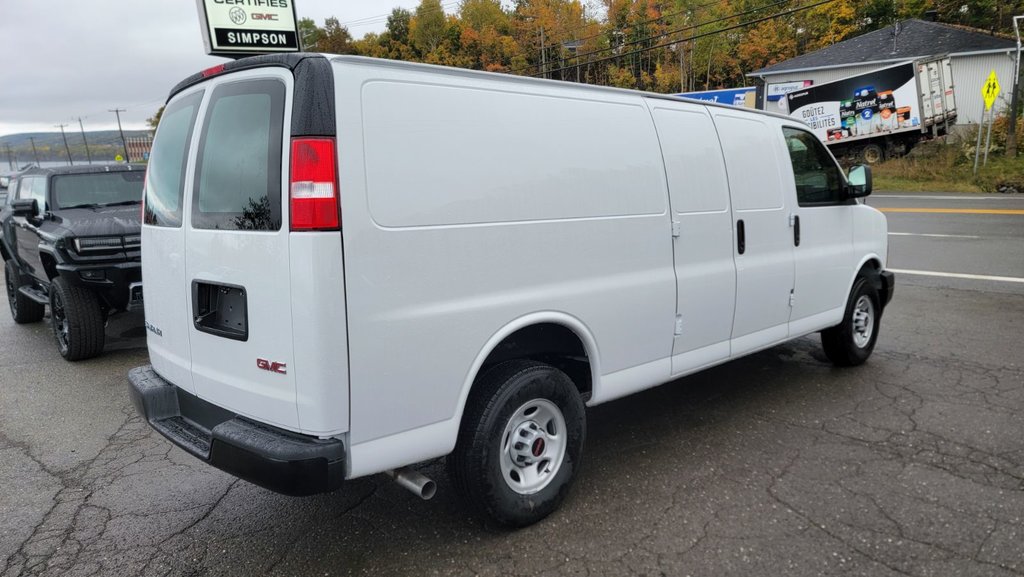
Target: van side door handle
<point>796,230</point>
<point>741,237</point>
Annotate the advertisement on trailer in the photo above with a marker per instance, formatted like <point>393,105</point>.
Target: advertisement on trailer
<point>881,102</point>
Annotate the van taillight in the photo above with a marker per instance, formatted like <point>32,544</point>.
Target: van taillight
<point>314,185</point>
<point>212,71</point>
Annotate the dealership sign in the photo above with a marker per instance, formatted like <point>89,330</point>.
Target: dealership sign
<point>245,27</point>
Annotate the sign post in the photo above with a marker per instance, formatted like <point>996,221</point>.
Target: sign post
<point>238,28</point>
<point>989,92</point>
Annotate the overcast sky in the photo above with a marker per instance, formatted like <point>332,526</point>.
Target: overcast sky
<point>64,59</point>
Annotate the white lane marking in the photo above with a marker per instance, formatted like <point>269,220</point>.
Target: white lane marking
<point>958,275</point>
<point>937,197</point>
<point>932,235</point>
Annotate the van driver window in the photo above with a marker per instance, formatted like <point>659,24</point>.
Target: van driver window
<point>818,180</point>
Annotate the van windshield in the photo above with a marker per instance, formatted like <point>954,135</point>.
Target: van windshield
<point>100,189</point>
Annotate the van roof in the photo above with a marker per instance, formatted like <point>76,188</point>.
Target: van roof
<point>292,60</point>
<point>465,72</point>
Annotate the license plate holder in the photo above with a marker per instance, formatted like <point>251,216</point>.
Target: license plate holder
<point>220,309</point>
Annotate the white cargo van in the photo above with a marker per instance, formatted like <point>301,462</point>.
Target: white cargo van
<point>355,265</point>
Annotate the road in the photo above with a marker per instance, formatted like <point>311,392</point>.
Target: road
<point>777,464</point>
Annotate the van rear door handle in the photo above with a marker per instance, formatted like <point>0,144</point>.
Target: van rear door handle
<point>796,230</point>
<point>741,237</point>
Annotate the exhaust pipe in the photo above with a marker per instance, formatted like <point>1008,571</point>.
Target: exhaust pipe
<point>420,485</point>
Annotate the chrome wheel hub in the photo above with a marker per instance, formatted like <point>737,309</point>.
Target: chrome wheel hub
<point>863,321</point>
<point>533,446</point>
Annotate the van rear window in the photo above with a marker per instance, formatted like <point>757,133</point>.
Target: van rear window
<point>165,178</point>
<point>238,175</point>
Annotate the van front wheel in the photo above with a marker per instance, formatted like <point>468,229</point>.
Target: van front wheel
<point>851,342</point>
<point>520,442</point>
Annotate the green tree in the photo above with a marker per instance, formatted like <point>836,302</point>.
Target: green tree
<point>398,25</point>
<point>309,34</point>
<point>154,120</point>
<point>428,26</point>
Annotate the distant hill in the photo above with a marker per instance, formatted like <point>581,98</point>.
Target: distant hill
<point>103,144</point>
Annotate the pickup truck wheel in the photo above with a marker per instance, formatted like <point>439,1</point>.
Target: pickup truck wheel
<point>850,343</point>
<point>520,443</point>
<point>23,309</point>
<point>77,321</point>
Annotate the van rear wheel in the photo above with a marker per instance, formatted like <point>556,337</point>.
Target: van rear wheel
<point>23,309</point>
<point>77,321</point>
<point>851,342</point>
<point>520,442</point>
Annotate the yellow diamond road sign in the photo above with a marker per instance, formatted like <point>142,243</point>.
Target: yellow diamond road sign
<point>990,89</point>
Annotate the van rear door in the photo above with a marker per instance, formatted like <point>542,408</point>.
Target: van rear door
<point>163,241</point>
<point>237,274</point>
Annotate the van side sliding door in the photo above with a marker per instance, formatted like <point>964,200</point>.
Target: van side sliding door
<point>763,240</point>
<point>702,231</point>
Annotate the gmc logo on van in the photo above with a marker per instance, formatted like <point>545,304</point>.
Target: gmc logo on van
<point>272,366</point>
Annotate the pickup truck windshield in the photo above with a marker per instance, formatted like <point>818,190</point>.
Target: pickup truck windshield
<point>100,189</point>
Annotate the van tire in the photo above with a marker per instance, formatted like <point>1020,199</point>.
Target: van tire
<point>493,409</point>
<point>23,309</point>
<point>846,344</point>
<point>77,321</point>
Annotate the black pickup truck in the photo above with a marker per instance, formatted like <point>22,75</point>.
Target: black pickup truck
<point>71,240</point>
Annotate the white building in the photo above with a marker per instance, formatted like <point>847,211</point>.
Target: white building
<point>973,55</point>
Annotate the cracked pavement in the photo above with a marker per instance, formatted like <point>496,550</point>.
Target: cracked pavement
<point>777,464</point>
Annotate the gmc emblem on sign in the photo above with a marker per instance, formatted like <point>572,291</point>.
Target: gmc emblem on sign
<point>272,366</point>
<point>263,16</point>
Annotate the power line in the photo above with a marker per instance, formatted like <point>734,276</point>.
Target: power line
<point>696,36</point>
<point>644,22</point>
<point>660,35</point>
<point>368,20</point>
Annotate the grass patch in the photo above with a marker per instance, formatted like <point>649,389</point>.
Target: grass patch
<point>948,166</point>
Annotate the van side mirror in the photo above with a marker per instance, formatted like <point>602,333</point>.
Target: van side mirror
<point>859,181</point>
<point>26,207</point>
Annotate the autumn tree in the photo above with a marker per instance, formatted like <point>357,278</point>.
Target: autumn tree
<point>335,38</point>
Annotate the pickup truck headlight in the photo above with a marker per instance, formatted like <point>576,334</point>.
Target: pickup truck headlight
<point>97,243</point>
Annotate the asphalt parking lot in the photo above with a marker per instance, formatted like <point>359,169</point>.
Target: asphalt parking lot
<point>777,464</point>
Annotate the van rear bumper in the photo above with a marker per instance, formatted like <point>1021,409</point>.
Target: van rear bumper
<point>278,460</point>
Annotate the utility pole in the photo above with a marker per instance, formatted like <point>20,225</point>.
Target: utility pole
<point>682,66</point>
<point>543,55</point>
<point>1011,134</point>
<point>10,161</point>
<point>82,128</point>
<point>66,147</point>
<point>34,153</point>
<point>124,143</point>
